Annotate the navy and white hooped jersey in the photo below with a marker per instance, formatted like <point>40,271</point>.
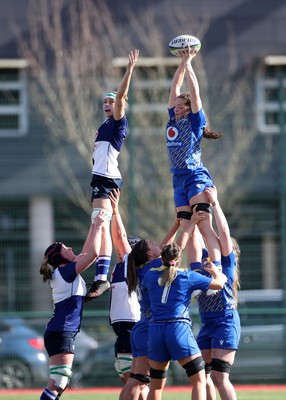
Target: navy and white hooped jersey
<point>122,306</point>
<point>183,141</point>
<point>108,142</point>
<point>221,302</point>
<point>68,291</point>
<point>172,302</point>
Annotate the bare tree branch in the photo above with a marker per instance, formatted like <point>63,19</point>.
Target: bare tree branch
<point>70,50</point>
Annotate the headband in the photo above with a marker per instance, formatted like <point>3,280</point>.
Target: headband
<point>111,95</point>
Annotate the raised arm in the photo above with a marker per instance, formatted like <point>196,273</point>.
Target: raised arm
<point>84,260</point>
<point>221,222</point>
<point>193,84</point>
<point>177,83</point>
<point>219,279</point>
<point>118,232</point>
<point>122,92</point>
<point>171,234</point>
<point>189,230</point>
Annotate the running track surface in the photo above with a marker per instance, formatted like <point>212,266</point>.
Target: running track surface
<point>252,388</point>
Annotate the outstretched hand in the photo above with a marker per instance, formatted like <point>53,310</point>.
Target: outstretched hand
<point>114,196</point>
<point>198,216</point>
<point>101,218</point>
<point>211,193</point>
<point>133,57</point>
<point>211,268</point>
<point>188,54</point>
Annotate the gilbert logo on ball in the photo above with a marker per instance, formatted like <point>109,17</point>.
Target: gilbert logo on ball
<point>179,43</point>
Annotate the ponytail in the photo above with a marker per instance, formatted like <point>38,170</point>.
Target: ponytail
<point>137,258</point>
<point>171,258</point>
<point>45,270</point>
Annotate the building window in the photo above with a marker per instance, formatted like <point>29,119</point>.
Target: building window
<point>13,98</point>
<point>271,98</point>
<point>149,92</point>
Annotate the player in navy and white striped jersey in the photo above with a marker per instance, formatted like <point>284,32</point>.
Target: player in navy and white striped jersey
<point>106,176</point>
<point>62,268</point>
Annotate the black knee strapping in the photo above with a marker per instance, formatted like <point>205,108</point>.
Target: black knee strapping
<point>208,368</point>
<point>202,207</point>
<point>220,365</point>
<point>142,378</point>
<point>194,366</point>
<point>184,215</point>
<point>158,373</point>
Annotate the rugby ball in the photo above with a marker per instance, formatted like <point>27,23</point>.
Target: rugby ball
<point>179,43</point>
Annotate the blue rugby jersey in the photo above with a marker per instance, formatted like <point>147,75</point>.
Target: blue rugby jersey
<point>68,291</point>
<point>143,297</point>
<point>172,302</point>
<point>183,139</point>
<point>221,302</point>
<point>108,142</point>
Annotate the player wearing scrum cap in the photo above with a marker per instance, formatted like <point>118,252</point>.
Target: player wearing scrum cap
<point>105,172</point>
<point>62,268</point>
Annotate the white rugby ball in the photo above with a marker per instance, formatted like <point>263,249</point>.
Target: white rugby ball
<point>179,43</point>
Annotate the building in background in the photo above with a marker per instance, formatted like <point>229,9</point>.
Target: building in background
<point>243,76</point>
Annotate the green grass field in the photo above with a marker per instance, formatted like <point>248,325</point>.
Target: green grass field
<point>241,395</point>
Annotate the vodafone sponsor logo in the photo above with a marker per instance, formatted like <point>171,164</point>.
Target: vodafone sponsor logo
<point>172,134</point>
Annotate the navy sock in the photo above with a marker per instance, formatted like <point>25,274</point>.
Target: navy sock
<point>102,267</point>
<point>48,395</point>
<point>196,266</point>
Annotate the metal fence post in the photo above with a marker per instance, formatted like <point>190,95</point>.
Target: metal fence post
<point>283,201</point>
<point>132,224</point>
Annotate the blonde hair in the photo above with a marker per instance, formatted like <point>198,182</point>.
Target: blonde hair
<point>171,258</point>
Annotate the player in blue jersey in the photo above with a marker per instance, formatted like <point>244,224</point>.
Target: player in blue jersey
<point>186,126</point>
<point>144,256</point>
<point>62,269</point>
<point>169,288</point>
<point>106,176</point>
<point>219,335</point>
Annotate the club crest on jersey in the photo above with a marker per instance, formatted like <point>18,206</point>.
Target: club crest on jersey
<point>172,133</point>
